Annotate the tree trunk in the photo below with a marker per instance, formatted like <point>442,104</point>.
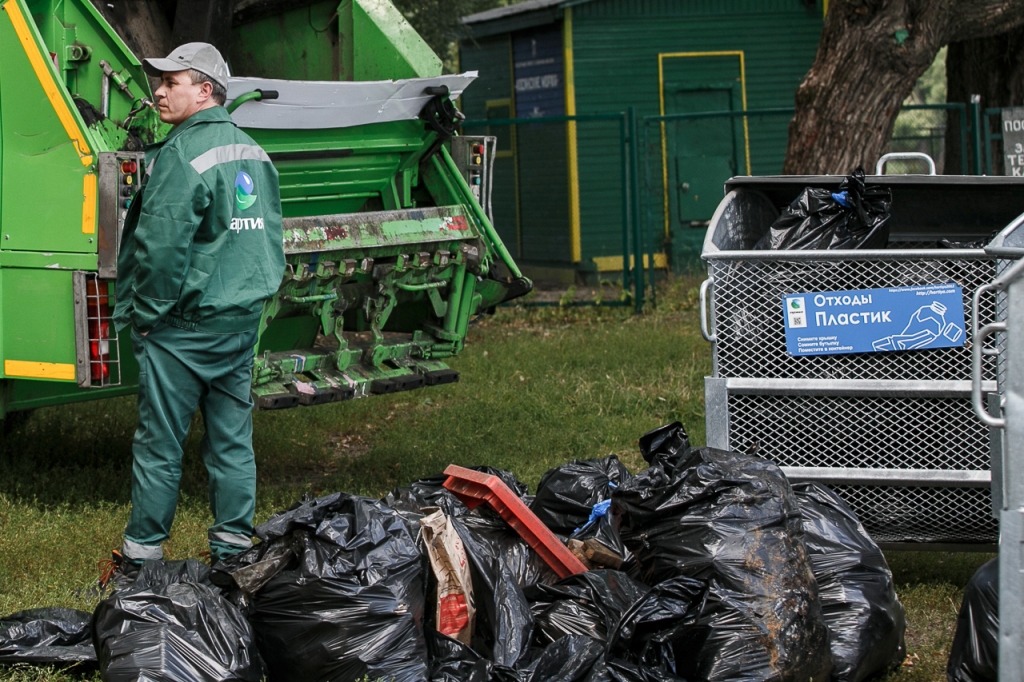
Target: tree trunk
<point>990,67</point>
<point>870,55</point>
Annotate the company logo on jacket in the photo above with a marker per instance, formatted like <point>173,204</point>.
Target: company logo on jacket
<point>244,197</point>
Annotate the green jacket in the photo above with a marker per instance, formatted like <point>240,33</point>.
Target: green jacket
<point>202,243</point>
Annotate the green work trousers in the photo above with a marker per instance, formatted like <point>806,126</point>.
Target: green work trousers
<point>180,370</point>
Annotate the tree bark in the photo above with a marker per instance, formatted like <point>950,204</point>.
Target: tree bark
<point>870,55</point>
<point>990,67</point>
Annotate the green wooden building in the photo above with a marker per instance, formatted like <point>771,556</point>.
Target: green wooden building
<point>559,186</point>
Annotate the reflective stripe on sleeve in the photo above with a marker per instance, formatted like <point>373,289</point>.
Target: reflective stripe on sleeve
<point>227,154</point>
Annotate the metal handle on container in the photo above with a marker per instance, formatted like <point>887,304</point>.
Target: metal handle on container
<point>920,156</point>
<point>705,314</point>
<point>977,352</point>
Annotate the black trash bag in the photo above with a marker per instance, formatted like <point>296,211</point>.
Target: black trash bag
<point>866,621</point>
<point>501,564</point>
<point>589,604</point>
<point>350,603</point>
<point>567,494</point>
<point>430,492</point>
<point>974,656</point>
<point>623,671</point>
<point>855,217</point>
<point>155,574</point>
<point>697,630</point>
<point>43,636</point>
<point>668,614</point>
<point>665,446</point>
<point>578,658</point>
<point>453,661</point>
<point>730,518</point>
<point>172,625</point>
<point>572,658</point>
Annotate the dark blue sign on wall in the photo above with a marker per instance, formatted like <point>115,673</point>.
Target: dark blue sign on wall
<point>874,320</point>
<point>539,68</point>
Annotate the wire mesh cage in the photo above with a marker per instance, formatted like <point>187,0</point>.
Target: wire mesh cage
<point>893,432</point>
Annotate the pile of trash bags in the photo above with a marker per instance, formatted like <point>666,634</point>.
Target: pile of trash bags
<point>706,565</point>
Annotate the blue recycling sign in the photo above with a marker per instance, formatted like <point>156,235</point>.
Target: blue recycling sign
<point>874,320</point>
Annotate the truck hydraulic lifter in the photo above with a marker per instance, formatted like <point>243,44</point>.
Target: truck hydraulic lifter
<point>389,252</point>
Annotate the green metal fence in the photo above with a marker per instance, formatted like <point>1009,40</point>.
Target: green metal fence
<point>926,128</point>
<point>528,140</point>
<point>654,181</point>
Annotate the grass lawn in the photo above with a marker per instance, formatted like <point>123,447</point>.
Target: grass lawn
<point>539,387</point>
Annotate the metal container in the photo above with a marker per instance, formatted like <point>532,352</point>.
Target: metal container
<point>893,433</point>
<point>1004,414</point>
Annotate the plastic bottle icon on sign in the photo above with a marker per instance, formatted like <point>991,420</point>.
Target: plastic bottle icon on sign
<point>926,326</point>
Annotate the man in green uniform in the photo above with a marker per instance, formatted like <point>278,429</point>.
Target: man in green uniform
<point>201,252</point>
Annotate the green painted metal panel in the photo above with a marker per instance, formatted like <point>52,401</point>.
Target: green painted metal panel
<point>348,166</point>
<point>387,46</point>
<point>616,44</point>
<point>26,394</point>
<point>1,149</point>
<point>360,40</point>
<point>48,260</point>
<point>311,52</point>
<point>38,337</point>
<point>80,38</point>
<point>703,153</point>
<point>41,195</point>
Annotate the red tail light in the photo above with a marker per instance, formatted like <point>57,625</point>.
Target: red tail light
<point>99,329</point>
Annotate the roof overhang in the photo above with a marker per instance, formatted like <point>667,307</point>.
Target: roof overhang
<point>522,15</point>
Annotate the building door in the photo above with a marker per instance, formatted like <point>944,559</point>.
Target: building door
<point>702,153</point>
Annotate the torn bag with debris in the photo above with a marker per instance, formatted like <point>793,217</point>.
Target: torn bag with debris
<point>574,499</point>
<point>854,217</point>
<point>866,621</point>
<point>173,625</point>
<point>731,520</point>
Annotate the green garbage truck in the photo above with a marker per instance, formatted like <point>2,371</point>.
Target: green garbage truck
<point>390,253</point>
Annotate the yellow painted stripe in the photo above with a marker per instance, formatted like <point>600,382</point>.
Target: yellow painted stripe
<point>824,8</point>
<point>575,239</point>
<point>39,370</point>
<point>44,73</point>
<point>89,204</point>
<point>614,263</point>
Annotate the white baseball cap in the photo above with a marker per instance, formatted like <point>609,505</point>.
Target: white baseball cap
<point>203,57</point>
